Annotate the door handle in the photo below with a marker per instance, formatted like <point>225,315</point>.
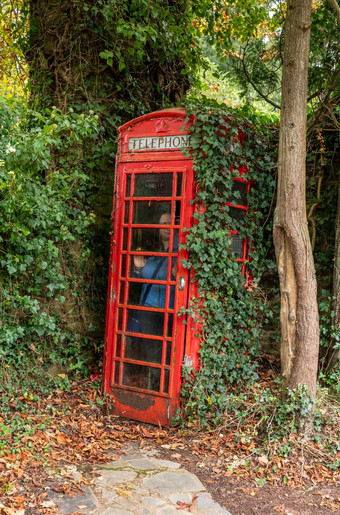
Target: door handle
<point>181,283</point>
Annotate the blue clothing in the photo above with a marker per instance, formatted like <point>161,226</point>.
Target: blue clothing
<point>156,294</point>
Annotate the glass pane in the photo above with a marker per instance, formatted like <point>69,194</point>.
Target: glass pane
<point>173,269</point>
<point>239,198</point>
<point>125,238</point>
<point>143,349</point>
<point>139,376</point>
<point>175,246</point>
<point>126,215</point>
<point>116,375</point>
<point>170,324</point>
<point>146,239</point>
<point>150,212</point>
<point>168,353</point>
<point>166,381</point>
<point>153,240</point>
<point>120,319</point>
<point>237,245</point>
<point>145,322</point>
<point>135,290</point>
<point>172,287</point>
<point>128,185</point>
<point>123,268</point>
<point>179,184</point>
<point>177,212</point>
<point>237,214</point>
<point>153,185</point>
<point>119,346</point>
<point>121,293</point>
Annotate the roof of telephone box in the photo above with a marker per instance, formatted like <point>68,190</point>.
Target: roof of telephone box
<point>179,112</point>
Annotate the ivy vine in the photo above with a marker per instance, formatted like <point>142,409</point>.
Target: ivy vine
<point>230,307</point>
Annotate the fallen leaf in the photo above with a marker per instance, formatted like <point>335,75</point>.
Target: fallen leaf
<point>183,505</point>
<point>62,439</point>
<point>177,455</point>
<point>193,503</point>
<point>10,511</point>
<point>263,460</point>
<point>19,473</point>
<point>47,504</point>
<point>124,493</point>
<point>146,433</point>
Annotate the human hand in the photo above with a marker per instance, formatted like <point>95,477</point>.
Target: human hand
<point>174,270</point>
<point>139,262</point>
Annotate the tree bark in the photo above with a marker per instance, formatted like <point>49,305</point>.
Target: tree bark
<point>299,310</point>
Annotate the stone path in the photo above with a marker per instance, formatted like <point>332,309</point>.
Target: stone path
<point>138,484</point>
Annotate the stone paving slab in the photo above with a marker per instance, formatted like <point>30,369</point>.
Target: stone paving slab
<point>181,496</point>
<point>140,484</point>
<point>117,476</point>
<point>206,504</point>
<point>82,503</point>
<point>153,501</point>
<point>166,464</point>
<point>172,481</point>
<point>142,464</point>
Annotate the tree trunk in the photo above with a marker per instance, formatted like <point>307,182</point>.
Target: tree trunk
<point>299,310</point>
<point>64,55</point>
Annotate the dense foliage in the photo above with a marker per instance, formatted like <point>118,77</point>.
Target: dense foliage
<point>229,308</point>
<point>127,57</point>
<point>46,214</point>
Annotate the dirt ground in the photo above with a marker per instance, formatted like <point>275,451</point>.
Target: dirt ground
<point>242,497</point>
<point>69,427</point>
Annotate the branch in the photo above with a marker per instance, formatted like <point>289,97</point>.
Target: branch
<point>316,94</point>
<point>265,97</point>
<point>324,102</point>
<point>336,9</point>
<point>333,117</point>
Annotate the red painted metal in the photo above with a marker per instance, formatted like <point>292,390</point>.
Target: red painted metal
<point>141,162</point>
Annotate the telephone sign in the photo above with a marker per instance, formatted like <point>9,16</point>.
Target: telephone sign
<point>159,143</point>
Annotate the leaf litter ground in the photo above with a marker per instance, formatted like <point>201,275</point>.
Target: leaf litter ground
<point>41,436</point>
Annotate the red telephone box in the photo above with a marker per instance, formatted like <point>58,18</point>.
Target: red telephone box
<point>146,339</point>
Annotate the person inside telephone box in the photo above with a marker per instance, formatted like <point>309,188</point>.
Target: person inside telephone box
<point>152,296</point>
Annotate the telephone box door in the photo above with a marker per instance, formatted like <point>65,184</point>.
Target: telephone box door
<point>148,286</point>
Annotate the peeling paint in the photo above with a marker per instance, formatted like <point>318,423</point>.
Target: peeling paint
<point>136,401</point>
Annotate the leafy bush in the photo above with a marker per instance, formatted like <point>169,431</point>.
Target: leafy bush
<point>45,192</point>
